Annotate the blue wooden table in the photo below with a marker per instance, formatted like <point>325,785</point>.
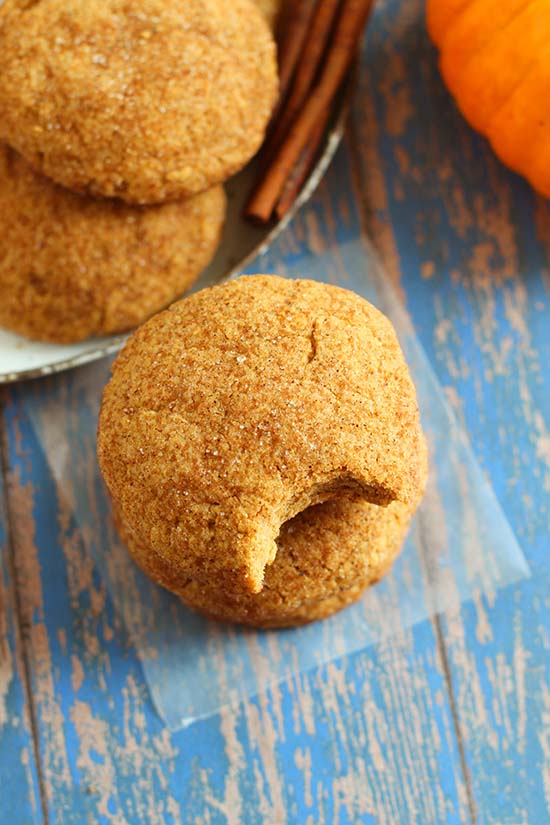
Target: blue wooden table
<point>446,722</point>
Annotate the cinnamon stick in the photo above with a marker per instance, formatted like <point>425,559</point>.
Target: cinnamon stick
<point>293,30</point>
<point>347,34</point>
<point>302,169</point>
<point>299,174</point>
<point>320,29</point>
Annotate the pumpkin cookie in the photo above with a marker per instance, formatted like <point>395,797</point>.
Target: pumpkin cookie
<point>71,267</point>
<point>242,406</point>
<point>326,557</point>
<point>145,100</point>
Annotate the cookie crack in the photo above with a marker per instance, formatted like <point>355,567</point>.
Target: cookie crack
<point>312,355</point>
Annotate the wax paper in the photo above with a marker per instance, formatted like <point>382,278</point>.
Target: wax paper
<point>460,544</point>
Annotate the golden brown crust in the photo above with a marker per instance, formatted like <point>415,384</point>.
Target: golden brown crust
<point>147,100</point>
<point>326,557</point>
<point>71,267</point>
<point>243,405</point>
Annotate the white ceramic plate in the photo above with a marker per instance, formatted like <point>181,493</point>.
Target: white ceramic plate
<point>21,358</point>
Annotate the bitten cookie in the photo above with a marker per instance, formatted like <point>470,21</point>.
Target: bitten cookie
<point>71,267</point>
<point>326,557</point>
<point>242,406</point>
<point>145,100</point>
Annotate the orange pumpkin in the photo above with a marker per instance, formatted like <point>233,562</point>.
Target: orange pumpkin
<point>495,60</point>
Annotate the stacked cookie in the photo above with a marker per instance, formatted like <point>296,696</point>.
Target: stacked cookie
<point>262,446</point>
<point>120,121</point>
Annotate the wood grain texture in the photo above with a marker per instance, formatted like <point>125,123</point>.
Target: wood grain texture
<point>19,786</point>
<point>468,242</point>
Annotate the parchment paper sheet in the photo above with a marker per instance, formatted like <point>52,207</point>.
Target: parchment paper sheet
<point>460,544</point>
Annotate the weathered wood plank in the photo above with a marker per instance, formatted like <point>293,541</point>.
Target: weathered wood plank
<point>19,786</point>
<point>468,242</point>
<point>369,739</point>
<point>93,767</point>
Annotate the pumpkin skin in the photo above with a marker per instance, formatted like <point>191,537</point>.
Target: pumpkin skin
<point>495,61</point>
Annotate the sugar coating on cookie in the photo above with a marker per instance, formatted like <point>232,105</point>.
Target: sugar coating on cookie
<point>145,100</point>
<point>326,557</point>
<point>244,404</point>
<point>72,266</point>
